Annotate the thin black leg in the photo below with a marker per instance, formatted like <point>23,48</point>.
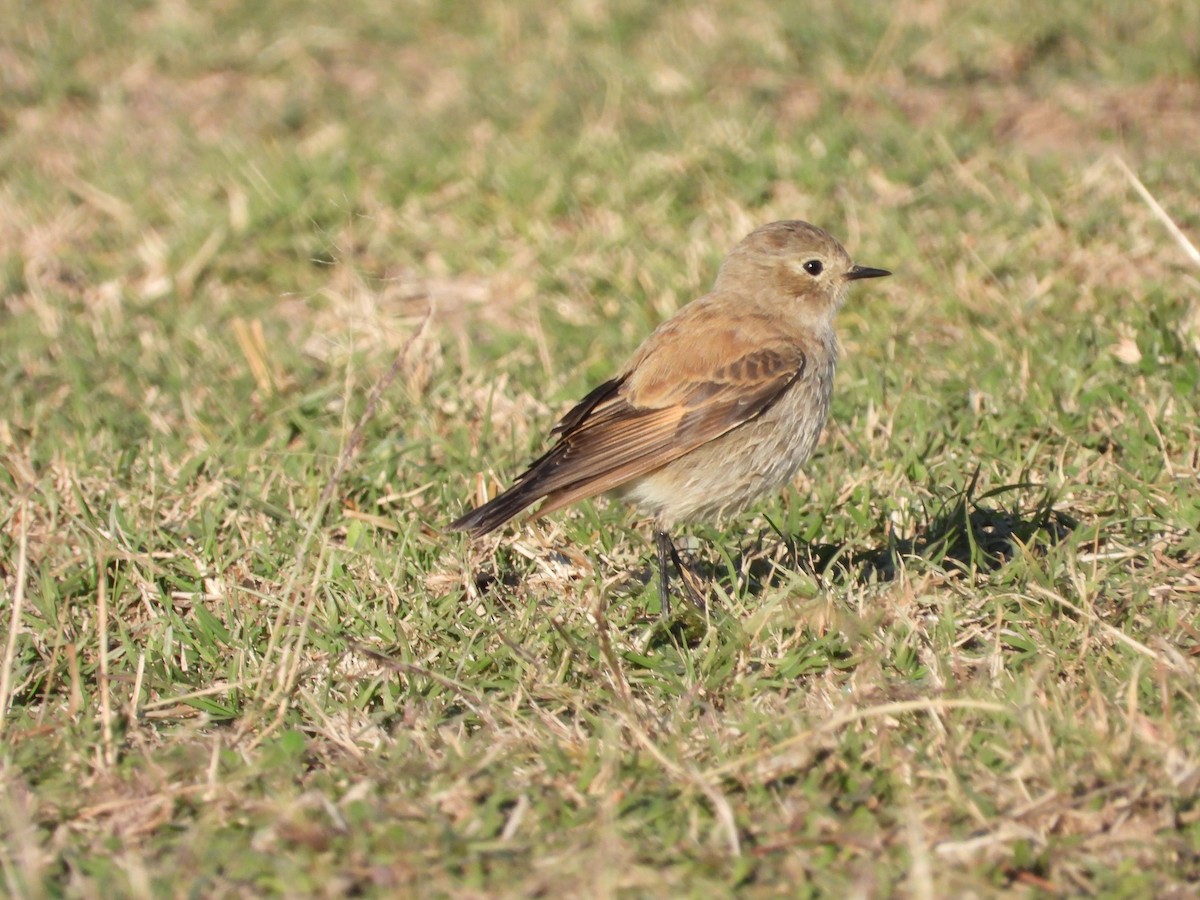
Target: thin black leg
<point>692,596</point>
<point>664,587</point>
<point>667,547</point>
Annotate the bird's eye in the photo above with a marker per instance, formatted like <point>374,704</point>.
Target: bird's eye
<point>813,267</point>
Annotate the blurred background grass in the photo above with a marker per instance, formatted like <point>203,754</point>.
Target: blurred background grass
<point>958,659</point>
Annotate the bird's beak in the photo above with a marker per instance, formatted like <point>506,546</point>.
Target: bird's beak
<point>858,272</point>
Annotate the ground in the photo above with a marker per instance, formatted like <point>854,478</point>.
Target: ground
<point>286,287</point>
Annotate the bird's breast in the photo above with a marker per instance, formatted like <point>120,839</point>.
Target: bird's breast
<point>757,457</point>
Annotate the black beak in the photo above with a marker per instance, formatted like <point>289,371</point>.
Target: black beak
<point>858,272</point>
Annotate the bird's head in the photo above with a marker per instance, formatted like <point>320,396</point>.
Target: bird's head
<point>794,268</point>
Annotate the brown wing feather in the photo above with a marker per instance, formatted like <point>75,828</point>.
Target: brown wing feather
<point>580,410</point>
<point>677,393</point>
<point>621,442</point>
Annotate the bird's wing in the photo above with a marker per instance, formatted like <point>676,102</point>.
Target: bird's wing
<point>679,392</point>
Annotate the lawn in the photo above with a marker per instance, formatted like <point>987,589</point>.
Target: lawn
<point>286,287</point>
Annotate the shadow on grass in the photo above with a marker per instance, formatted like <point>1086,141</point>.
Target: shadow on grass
<point>965,536</point>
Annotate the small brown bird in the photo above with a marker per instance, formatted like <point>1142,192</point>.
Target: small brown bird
<point>720,405</point>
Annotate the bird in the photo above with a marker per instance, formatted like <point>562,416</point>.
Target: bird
<point>721,405</point>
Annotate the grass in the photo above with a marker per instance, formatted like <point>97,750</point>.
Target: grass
<point>241,657</point>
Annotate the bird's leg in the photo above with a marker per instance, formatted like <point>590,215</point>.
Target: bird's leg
<point>664,588</point>
<point>695,599</point>
<point>667,546</point>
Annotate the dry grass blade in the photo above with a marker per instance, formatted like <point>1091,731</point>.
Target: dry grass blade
<point>16,608</point>
<point>289,658</point>
<point>1089,616</point>
<point>106,716</point>
<point>849,717</point>
<point>1163,216</point>
<point>630,718</point>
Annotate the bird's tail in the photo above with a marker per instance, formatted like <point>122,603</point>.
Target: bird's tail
<point>550,475</point>
<point>498,510</point>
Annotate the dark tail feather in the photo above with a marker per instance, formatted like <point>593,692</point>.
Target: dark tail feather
<point>531,486</point>
<point>498,510</point>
